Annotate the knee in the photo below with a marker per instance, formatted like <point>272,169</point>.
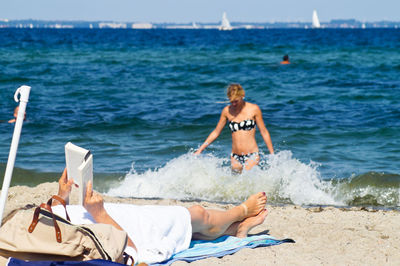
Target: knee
<point>237,168</point>
<point>200,216</point>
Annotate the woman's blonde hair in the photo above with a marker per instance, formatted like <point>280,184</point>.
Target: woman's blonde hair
<point>235,91</point>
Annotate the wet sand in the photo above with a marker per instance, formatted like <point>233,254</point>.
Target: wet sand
<point>323,235</point>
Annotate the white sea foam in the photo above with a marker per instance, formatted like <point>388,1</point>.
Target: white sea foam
<point>207,177</point>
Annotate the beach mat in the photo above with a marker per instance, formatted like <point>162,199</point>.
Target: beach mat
<point>17,262</point>
<point>224,245</point>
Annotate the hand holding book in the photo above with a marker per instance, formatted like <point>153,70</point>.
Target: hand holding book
<point>79,163</point>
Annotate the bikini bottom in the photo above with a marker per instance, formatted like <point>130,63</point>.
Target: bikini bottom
<point>243,158</point>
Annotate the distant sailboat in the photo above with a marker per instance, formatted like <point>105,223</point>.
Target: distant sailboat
<point>225,25</point>
<point>315,20</point>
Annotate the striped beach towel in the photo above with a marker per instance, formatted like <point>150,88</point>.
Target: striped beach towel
<point>224,245</point>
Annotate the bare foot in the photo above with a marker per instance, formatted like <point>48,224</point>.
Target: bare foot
<point>254,204</point>
<point>251,222</point>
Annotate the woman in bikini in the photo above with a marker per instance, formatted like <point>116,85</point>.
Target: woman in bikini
<point>243,118</point>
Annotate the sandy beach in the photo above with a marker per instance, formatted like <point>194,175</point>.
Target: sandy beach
<point>323,235</point>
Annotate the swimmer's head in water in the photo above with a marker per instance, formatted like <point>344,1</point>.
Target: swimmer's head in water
<point>285,57</point>
<point>235,92</point>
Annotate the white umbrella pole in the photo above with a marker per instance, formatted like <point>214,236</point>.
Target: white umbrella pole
<point>23,100</point>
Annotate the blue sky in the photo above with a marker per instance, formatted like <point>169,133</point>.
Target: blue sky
<point>200,10</point>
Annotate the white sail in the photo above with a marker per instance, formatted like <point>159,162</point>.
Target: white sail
<point>315,20</point>
<point>225,25</point>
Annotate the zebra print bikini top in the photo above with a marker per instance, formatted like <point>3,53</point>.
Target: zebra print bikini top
<point>247,124</point>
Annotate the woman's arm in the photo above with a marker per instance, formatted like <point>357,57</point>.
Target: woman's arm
<point>94,204</point>
<point>215,133</point>
<point>263,130</point>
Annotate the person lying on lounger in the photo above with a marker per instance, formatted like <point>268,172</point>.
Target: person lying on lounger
<point>194,222</point>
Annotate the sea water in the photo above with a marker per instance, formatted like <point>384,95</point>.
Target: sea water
<point>143,100</point>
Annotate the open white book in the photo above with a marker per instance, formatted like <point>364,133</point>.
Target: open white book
<point>79,163</point>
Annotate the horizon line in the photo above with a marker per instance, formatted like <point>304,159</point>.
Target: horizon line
<point>6,20</point>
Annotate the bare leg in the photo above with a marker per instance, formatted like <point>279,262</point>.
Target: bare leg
<point>210,224</point>
<point>251,162</point>
<point>237,167</point>
<point>241,229</point>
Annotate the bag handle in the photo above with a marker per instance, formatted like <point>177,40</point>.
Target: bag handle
<point>62,201</point>
<point>47,206</point>
<point>128,259</point>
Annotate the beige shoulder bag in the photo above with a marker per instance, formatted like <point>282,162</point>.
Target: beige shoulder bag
<point>39,234</point>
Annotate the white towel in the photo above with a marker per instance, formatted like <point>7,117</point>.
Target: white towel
<point>157,231</point>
